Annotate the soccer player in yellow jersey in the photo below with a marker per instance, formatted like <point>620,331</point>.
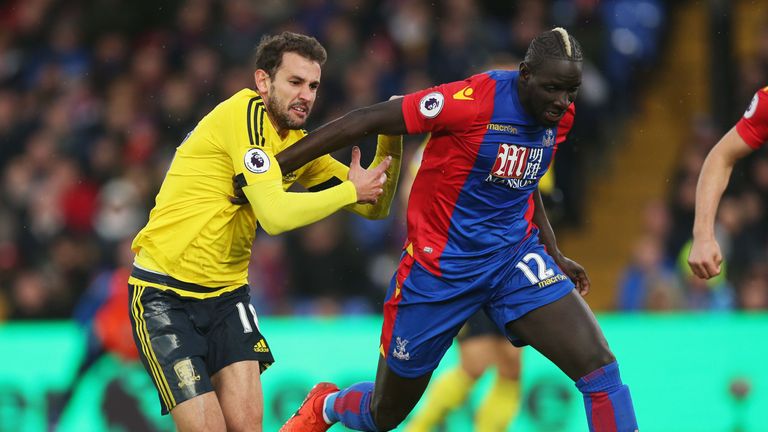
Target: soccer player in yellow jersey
<point>196,331</point>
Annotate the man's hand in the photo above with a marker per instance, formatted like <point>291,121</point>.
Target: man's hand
<point>705,258</point>
<point>238,197</point>
<point>368,183</point>
<point>575,271</point>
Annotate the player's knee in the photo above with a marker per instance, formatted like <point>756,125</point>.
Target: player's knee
<point>387,415</point>
<point>600,357</point>
<point>245,427</point>
<point>510,371</point>
<point>252,425</point>
<point>246,420</point>
<point>387,420</point>
<point>473,370</point>
<point>603,355</point>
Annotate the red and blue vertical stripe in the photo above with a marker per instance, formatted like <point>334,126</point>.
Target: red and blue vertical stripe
<point>607,401</point>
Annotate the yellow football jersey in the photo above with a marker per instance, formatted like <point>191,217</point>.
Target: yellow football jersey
<point>195,236</point>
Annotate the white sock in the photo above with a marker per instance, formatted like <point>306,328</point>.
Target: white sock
<point>325,416</point>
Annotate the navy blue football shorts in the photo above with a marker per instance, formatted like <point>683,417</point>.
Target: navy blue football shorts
<point>424,312</point>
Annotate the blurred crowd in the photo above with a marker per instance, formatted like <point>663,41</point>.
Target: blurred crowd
<point>95,96</point>
<point>658,278</point>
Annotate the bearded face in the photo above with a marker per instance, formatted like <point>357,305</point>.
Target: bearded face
<point>292,91</point>
<point>285,113</point>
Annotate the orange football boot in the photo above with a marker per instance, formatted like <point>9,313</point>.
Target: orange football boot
<point>309,416</point>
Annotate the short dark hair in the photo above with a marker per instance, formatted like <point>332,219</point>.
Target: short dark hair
<point>269,52</point>
<point>553,44</point>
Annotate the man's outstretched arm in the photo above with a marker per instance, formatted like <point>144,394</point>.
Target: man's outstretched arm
<point>384,118</point>
<point>705,256</point>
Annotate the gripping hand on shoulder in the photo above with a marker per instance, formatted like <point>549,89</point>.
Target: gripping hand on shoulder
<point>369,184</point>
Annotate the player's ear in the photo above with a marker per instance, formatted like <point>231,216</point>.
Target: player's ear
<point>525,71</point>
<point>262,79</point>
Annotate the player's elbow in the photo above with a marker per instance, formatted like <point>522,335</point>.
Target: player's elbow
<point>381,118</point>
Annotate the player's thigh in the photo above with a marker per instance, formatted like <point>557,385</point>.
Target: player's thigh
<point>238,387</point>
<point>533,280</point>
<point>508,359</point>
<point>237,354</point>
<point>236,336</point>
<point>199,414</point>
<point>170,346</point>
<point>566,332</point>
<point>422,315</point>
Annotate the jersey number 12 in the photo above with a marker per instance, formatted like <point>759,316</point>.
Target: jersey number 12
<point>543,271</point>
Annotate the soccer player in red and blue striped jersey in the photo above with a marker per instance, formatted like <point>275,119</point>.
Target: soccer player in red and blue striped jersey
<point>477,237</point>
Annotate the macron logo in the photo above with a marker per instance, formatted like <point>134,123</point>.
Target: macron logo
<point>464,94</point>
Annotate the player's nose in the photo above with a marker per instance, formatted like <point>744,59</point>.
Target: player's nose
<point>306,94</point>
<point>562,101</point>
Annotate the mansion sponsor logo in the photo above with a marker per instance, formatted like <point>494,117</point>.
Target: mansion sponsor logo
<point>510,183</point>
<point>516,166</point>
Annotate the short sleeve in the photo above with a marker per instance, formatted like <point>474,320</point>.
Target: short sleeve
<point>257,164</point>
<point>753,125</point>
<point>449,106</point>
<point>251,152</point>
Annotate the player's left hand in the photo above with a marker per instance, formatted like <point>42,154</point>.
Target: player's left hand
<point>238,197</point>
<point>576,272</point>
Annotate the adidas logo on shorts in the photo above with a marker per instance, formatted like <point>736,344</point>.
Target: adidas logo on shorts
<point>261,346</point>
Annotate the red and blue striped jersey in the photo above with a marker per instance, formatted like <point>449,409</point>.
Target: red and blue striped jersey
<point>471,204</point>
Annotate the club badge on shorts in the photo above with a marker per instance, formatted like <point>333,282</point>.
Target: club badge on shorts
<point>185,371</point>
<point>256,161</point>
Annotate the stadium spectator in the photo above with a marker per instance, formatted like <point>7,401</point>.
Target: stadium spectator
<point>114,89</point>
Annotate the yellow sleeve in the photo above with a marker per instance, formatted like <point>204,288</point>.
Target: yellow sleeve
<point>326,171</point>
<point>277,210</point>
<point>322,173</point>
<point>249,145</point>
<point>387,145</point>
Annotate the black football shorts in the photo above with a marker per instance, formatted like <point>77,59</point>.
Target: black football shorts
<point>184,341</point>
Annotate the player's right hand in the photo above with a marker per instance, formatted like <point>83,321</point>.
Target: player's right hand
<point>575,272</point>
<point>369,184</point>
<point>705,258</point>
